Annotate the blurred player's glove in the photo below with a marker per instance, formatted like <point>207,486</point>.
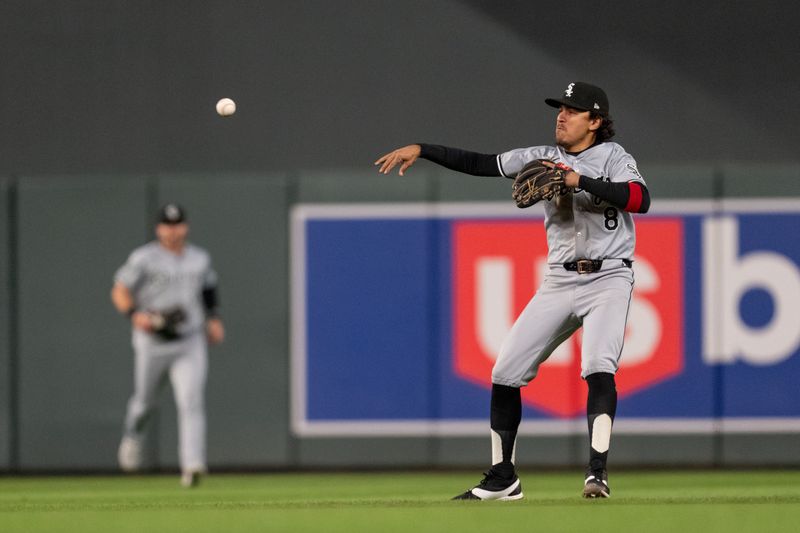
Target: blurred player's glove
<point>537,181</point>
<point>165,323</point>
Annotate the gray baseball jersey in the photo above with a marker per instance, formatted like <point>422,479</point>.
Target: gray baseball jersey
<point>159,279</point>
<point>580,226</point>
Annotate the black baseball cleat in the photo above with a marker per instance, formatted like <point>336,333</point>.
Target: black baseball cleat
<point>596,484</point>
<point>494,487</point>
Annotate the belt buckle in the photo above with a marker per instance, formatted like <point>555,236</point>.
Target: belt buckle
<point>585,266</point>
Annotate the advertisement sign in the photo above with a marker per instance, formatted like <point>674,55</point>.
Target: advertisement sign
<point>399,311</point>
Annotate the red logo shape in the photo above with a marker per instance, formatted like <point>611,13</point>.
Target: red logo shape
<point>497,267</point>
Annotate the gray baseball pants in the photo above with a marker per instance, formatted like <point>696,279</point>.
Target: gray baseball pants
<point>566,301</point>
<point>185,361</point>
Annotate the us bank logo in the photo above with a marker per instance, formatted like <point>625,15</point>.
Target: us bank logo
<point>499,265</point>
<point>399,310</point>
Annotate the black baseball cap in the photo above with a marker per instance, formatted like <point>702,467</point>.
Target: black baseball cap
<point>583,96</point>
<point>171,214</point>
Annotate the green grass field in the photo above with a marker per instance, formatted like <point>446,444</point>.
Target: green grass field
<point>678,501</point>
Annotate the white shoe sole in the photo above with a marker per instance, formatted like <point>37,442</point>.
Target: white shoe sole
<point>503,495</point>
<point>595,491</point>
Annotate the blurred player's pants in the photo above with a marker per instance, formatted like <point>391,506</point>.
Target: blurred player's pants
<point>186,363</point>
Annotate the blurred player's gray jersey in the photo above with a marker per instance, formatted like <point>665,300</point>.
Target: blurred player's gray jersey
<point>159,280</point>
<point>580,225</point>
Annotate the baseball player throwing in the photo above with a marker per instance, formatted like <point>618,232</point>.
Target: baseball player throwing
<point>168,289</point>
<point>593,186</point>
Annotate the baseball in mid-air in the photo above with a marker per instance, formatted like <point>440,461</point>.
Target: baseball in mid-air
<point>226,107</point>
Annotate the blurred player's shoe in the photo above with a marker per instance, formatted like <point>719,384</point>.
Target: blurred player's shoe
<point>190,478</point>
<point>596,484</point>
<point>129,455</point>
<point>494,487</point>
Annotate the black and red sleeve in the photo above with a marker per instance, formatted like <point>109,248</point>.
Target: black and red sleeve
<point>631,196</point>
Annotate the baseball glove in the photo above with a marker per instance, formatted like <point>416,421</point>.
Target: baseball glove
<point>537,181</point>
<point>165,323</point>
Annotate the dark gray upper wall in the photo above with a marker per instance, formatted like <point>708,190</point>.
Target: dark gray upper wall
<point>708,80</point>
<point>129,86</point>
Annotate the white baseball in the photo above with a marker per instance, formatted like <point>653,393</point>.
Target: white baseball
<point>226,107</point>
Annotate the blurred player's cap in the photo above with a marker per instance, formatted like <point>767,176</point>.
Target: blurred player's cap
<point>171,214</point>
<point>582,96</point>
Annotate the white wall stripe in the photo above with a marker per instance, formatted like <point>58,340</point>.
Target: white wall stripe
<point>472,210</point>
<point>480,428</point>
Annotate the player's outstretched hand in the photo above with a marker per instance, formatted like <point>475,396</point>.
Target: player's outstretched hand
<point>405,156</point>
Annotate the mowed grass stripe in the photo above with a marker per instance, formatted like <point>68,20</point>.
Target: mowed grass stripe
<point>642,501</point>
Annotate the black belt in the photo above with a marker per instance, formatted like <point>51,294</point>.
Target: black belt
<point>587,266</point>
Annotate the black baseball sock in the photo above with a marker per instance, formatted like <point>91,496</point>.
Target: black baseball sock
<point>601,406</point>
<point>506,414</point>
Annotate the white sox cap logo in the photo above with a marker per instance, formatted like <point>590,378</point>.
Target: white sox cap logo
<point>171,214</point>
<point>582,96</point>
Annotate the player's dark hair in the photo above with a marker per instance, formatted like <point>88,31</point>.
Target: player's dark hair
<point>606,130</point>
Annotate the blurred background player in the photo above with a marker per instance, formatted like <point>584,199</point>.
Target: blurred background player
<point>590,238</point>
<point>169,290</point>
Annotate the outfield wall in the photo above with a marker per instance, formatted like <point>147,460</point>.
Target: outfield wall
<point>66,361</point>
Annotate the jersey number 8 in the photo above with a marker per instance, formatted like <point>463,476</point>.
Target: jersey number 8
<point>611,222</point>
